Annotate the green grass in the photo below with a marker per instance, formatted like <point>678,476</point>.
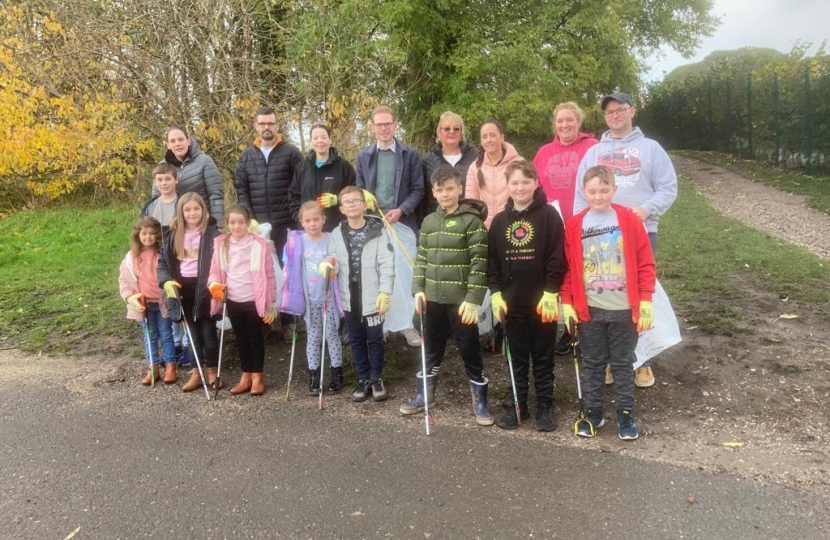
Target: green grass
<point>711,265</point>
<point>815,188</point>
<point>59,277</point>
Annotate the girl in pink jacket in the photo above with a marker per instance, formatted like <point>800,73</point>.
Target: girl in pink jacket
<point>242,274</point>
<point>139,288</point>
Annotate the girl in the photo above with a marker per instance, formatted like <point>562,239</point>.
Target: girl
<point>184,264</point>
<point>485,177</point>
<point>242,273</point>
<point>304,292</point>
<point>140,289</point>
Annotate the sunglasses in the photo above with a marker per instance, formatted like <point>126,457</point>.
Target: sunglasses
<point>454,129</point>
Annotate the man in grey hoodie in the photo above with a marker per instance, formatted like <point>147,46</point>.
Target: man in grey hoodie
<point>646,181</point>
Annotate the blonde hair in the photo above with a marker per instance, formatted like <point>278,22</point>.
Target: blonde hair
<point>449,116</point>
<point>178,224</point>
<point>307,206</point>
<point>381,109</point>
<point>570,105</point>
<point>605,175</point>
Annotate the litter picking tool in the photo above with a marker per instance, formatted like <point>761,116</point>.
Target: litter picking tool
<point>503,321</point>
<point>221,343</point>
<point>145,328</point>
<point>195,355</point>
<point>329,279</point>
<point>582,417</point>
<point>428,417</point>
<point>291,364</point>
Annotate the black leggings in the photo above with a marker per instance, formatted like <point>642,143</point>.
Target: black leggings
<point>202,329</point>
<point>247,327</point>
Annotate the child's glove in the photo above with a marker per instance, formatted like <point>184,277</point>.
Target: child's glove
<point>646,321</point>
<point>217,290</point>
<point>327,200</point>
<point>171,288</point>
<point>136,301</point>
<point>548,307</point>
<point>467,312</point>
<point>325,269</point>
<point>371,201</point>
<point>383,303</point>
<point>499,306</point>
<point>420,303</point>
<point>270,315</point>
<point>569,315</point>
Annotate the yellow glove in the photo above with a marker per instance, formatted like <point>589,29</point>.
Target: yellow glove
<point>171,288</point>
<point>499,306</point>
<point>548,307</point>
<point>383,302</point>
<point>270,315</point>
<point>646,321</point>
<point>217,290</point>
<point>420,303</point>
<point>325,269</point>
<point>467,312</point>
<point>371,201</point>
<point>136,301</point>
<point>327,200</point>
<point>569,315</point>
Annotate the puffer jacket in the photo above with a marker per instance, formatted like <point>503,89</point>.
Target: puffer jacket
<point>311,181</point>
<point>263,187</point>
<point>128,285</point>
<point>169,269</point>
<point>294,298</point>
<point>452,255</point>
<point>434,159</point>
<point>494,190</point>
<point>199,174</point>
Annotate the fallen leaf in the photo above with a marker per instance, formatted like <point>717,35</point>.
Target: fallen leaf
<point>690,499</point>
<point>73,533</point>
<point>787,316</point>
<point>733,444</point>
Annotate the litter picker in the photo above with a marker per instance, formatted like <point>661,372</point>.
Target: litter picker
<point>428,418</point>
<point>503,321</point>
<point>221,343</point>
<point>329,278</point>
<point>581,417</point>
<point>291,364</point>
<point>146,329</point>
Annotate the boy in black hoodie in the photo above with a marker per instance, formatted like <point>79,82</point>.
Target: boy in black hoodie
<point>526,267</point>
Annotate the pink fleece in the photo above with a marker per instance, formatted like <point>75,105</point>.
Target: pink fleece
<point>557,164</point>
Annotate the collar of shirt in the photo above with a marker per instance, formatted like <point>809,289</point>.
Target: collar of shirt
<point>392,147</point>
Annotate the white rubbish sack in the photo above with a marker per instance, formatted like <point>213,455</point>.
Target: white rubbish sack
<point>403,303</point>
<point>665,333</point>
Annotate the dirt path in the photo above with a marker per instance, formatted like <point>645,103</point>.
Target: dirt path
<point>783,215</point>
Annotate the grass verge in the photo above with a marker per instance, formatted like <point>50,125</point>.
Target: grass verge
<point>815,188</point>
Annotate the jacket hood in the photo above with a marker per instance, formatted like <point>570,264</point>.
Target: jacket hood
<point>192,152</point>
<point>333,156</point>
<point>579,138</point>
<point>539,199</point>
<point>636,133</point>
<point>469,206</point>
<point>510,154</point>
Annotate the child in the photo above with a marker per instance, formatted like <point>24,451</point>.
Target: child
<point>525,271</point>
<point>449,282</point>
<point>163,206</point>
<point>186,252</point>
<point>365,263</point>
<point>607,292</point>
<point>140,289</point>
<point>242,274</point>
<point>304,292</point>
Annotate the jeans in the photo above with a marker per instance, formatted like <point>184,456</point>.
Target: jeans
<point>610,337</point>
<point>366,340</point>
<point>160,330</point>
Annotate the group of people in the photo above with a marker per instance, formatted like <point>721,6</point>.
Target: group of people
<point>572,233</point>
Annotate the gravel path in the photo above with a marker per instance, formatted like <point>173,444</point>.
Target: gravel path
<point>782,215</point>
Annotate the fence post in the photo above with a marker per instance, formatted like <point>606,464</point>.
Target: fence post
<point>808,121</point>
<point>749,116</point>
<point>775,120</point>
<point>711,144</point>
<point>729,123</point>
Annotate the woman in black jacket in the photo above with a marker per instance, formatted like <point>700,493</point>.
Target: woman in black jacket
<point>320,175</point>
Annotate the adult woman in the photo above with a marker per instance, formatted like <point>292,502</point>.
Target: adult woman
<point>485,177</point>
<point>322,172</point>
<point>197,172</point>
<point>450,149</point>
<point>558,160</point>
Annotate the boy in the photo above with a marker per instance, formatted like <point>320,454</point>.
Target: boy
<point>607,292</point>
<point>449,282</point>
<point>525,271</point>
<point>163,206</point>
<point>366,264</point>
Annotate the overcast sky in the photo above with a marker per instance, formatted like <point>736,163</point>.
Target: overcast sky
<point>778,24</point>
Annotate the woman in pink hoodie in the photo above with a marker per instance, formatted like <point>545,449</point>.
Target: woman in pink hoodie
<point>485,177</point>
<point>558,160</point>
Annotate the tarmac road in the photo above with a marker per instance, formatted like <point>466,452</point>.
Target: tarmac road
<point>120,463</point>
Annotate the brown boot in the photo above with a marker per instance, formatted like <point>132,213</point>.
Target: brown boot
<point>151,376</point>
<point>193,383</point>
<point>257,387</point>
<point>211,376</point>
<point>170,372</point>
<point>244,384</point>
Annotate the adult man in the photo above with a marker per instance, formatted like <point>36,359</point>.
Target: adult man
<point>393,173</point>
<point>645,177</point>
<point>262,179</point>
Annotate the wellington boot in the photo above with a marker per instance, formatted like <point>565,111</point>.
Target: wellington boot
<point>193,382</point>
<point>151,376</point>
<point>244,384</point>
<point>170,372</point>
<point>479,393</point>
<point>257,386</point>
<point>211,376</point>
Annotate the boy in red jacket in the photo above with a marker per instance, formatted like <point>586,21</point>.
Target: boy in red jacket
<point>607,292</point>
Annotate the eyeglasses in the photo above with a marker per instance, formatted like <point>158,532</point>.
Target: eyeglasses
<point>267,124</point>
<point>384,125</point>
<point>617,112</point>
<point>351,202</point>
<point>448,129</point>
